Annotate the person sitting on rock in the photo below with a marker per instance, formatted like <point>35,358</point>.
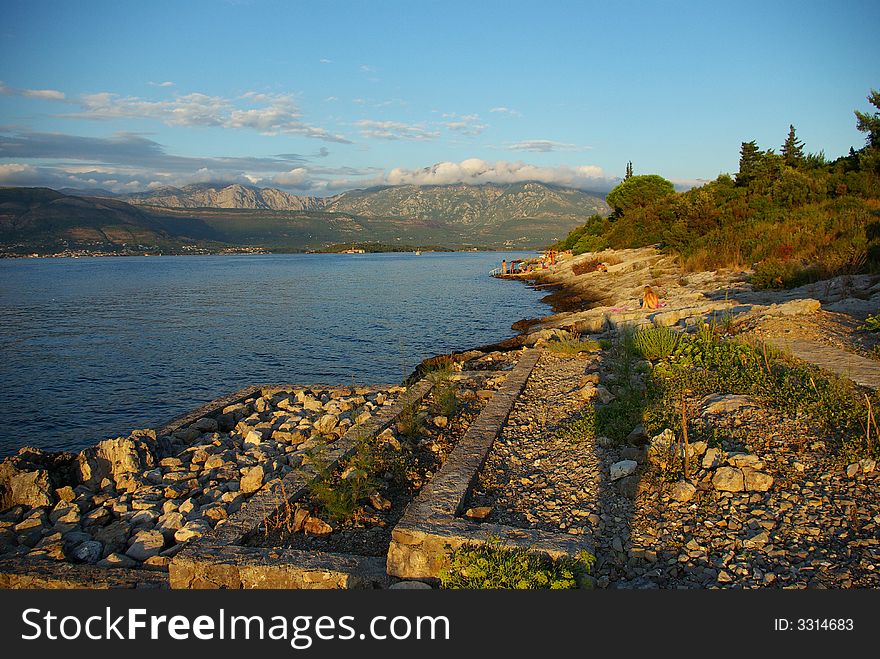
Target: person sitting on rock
<point>650,299</point>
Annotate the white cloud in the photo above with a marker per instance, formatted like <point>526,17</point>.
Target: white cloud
<point>467,124</point>
<point>545,146</point>
<point>395,130</point>
<point>504,110</point>
<point>17,174</point>
<point>43,94</point>
<point>167,83</point>
<point>269,114</point>
<point>476,171</point>
<point>324,60</point>
<point>295,178</point>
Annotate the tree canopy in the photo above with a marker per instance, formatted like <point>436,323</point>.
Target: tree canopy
<point>637,191</point>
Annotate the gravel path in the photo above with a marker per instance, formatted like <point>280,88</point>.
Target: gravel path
<point>817,526</point>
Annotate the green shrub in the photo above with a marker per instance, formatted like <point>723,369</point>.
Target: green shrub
<point>490,566</point>
<point>655,343</point>
<point>872,323</point>
<point>579,429</point>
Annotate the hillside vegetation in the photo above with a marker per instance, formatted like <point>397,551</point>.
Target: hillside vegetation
<point>792,216</point>
<point>521,215</point>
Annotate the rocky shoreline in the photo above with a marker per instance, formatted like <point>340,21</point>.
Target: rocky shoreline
<point>755,513</point>
<point>137,501</point>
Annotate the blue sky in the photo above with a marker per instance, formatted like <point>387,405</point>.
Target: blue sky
<point>318,97</point>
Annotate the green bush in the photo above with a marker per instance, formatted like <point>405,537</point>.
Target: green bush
<point>490,566</point>
<point>872,323</point>
<point>655,343</point>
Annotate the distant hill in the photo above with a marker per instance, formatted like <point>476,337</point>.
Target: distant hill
<point>44,218</point>
<point>206,195</point>
<point>522,215</point>
<point>475,205</point>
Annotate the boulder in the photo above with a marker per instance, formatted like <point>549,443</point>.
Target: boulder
<point>682,491</point>
<point>728,479</point>
<point>145,544</point>
<point>88,552</point>
<point>712,458</point>
<point>756,481</point>
<point>326,424</point>
<point>193,529</point>
<point>622,469</point>
<point>252,480</point>
<point>118,459</point>
<point>206,424</point>
<point>742,460</point>
<point>30,477</point>
<point>28,488</point>
<point>114,536</point>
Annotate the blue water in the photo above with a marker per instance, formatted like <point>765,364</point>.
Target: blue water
<point>92,348</point>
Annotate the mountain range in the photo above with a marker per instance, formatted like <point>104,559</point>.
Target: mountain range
<point>459,216</point>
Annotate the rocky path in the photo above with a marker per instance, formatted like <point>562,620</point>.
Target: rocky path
<point>862,371</point>
<point>766,505</point>
<point>537,475</point>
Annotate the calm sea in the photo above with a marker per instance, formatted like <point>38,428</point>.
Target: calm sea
<point>92,348</point>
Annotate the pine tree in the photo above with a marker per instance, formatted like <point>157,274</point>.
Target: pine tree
<point>793,149</point>
<point>749,159</point>
<point>870,123</point>
<point>629,171</point>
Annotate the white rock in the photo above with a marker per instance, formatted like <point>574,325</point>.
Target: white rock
<point>623,468</point>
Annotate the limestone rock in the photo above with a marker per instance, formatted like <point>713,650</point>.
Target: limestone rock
<point>712,458</point>
<point>206,424</point>
<point>117,458</point>
<point>145,544</point>
<point>756,481</point>
<point>317,526</point>
<point>193,529</point>
<point>728,479</point>
<point>682,491</point>
<point>326,424</point>
<point>794,308</point>
<point>622,469</point>
<point>29,488</point>
<point>719,403</point>
<point>26,478</point>
<point>745,460</point>
<point>252,480</point>
<point>478,512</point>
